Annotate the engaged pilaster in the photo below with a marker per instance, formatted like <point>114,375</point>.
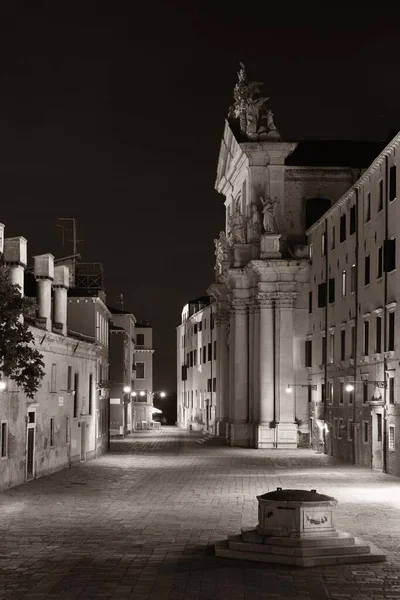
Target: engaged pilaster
<point>222,416</point>
<point>265,432</point>
<point>239,433</point>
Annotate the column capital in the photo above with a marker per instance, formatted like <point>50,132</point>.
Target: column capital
<point>240,305</point>
<point>281,299</point>
<point>222,317</point>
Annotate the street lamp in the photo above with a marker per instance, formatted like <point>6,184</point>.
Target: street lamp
<point>3,385</point>
<point>142,393</point>
<point>133,394</point>
<point>310,386</point>
<point>127,389</point>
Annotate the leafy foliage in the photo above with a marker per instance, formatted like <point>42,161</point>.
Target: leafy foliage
<point>19,360</point>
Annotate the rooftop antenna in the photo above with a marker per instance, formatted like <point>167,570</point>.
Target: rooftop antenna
<point>74,240</point>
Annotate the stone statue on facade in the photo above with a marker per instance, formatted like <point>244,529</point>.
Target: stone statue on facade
<point>255,120</point>
<point>222,247</point>
<point>254,224</point>
<point>237,227</point>
<point>268,207</point>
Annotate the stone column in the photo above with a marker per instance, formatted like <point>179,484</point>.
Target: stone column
<point>265,435</point>
<point>222,416</point>
<point>44,273</point>
<point>240,427</point>
<point>285,409</point>
<point>60,288</point>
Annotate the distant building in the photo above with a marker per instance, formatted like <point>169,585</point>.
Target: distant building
<point>143,385</point>
<point>198,385</point>
<point>63,423</point>
<point>122,372</point>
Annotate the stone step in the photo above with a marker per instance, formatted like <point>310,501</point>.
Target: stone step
<point>304,551</point>
<point>374,555</point>
<point>340,538</point>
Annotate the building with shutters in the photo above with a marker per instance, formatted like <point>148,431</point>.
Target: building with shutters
<point>352,348</point>
<point>143,392</point>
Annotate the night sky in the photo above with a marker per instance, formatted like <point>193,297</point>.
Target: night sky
<point>116,119</point>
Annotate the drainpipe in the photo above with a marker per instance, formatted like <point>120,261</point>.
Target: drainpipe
<point>385,336</point>
<point>325,399</point>
<point>356,324</point>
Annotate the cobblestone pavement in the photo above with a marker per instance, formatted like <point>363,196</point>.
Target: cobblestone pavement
<point>140,523</point>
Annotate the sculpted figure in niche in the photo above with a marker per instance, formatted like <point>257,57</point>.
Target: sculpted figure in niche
<point>269,222</point>
<point>237,227</point>
<point>255,223</point>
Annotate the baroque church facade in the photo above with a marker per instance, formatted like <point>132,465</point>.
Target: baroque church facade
<point>273,191</point>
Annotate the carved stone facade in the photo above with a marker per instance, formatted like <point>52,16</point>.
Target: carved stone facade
<point>273,191</point>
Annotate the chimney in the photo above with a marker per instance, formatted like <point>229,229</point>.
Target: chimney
<point>15,258</point>
<point>44,273</point>
<point>60,289</point>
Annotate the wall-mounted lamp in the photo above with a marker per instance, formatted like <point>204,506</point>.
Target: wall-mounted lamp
<point>3,385</point>
<point>127,389</point>
<point>133,394</point>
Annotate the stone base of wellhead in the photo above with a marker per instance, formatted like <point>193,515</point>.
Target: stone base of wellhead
<point>297,527</point>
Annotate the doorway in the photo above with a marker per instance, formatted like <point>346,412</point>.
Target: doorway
<point>83,442</point>
<point>30,446</point>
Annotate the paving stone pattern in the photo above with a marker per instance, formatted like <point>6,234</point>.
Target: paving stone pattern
<point>140,523</point>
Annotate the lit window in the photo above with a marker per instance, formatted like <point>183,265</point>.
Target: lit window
<point>343,284</point>
<point>392,441</point>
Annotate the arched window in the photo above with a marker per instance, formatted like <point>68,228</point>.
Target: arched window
<point>315,207</point>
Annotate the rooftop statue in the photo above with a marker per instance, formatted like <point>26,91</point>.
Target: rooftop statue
<point>255,120</point>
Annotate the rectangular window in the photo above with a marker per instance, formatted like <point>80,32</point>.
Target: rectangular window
<point>308,353</point>
<point>331,346</point>
<point>366,338</point>
<point>53,383</point>
<point>140,370</point>
<point>76,395</point>
<point>323,390</point>
<point>140,337</point>
<point>323,348</point>
<point>195,328</point>
<point>352,341</point>
<point>199,326</point>
<point>310,302</point>
<point>212,320</point>
<point>340,428</point>
<point>350,396</point>
<point>195,357</point>
<point>52,431</point>
<point>378,427</point>
<point>90,406</point>
<point>352,219</point>
<point>365,432</point>
<point>191,358</point>
<point>367,270</point>
<point>391,390</point>
<point>4,439</point>
<point>209,385</point>
<point>342,228</point>
<point>378,334</point>
<point>379,267</point>
<point>368,207</point>
<point>341,392</point>
<point>392,183</point>
<point>214,384</point>
<point>389,255</point>
<point>215,349</point>
<point>204,354</point>
<point>391,322</point>
<point>209,351</point>
<point>343,284</point>
<point>330,392</point>
<point>309,394</point>
<point>350,430</point>
<point>69,379</point>
<point>380,195</point>
<point>365,393</point>
<point>322,295</point>
<point>353,278</point>
<point>331,290</point>
<point>323,244</point>
<point>333,243</point>
<point>392,442</point>
<point>342,344</point>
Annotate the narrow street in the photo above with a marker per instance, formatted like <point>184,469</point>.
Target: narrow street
<point>140,523</point>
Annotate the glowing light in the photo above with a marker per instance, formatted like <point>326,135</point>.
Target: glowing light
<point>2,386</point>
<point>142,393</point>
<point>133,394</point>
<point>156,410</point>
<point>127,389</point>
<point>163,394</point>
<point>288,389</point>
<point>349,387</point>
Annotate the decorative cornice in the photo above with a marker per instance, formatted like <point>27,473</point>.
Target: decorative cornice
<point>240,305</point>
<point>280,299</point>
